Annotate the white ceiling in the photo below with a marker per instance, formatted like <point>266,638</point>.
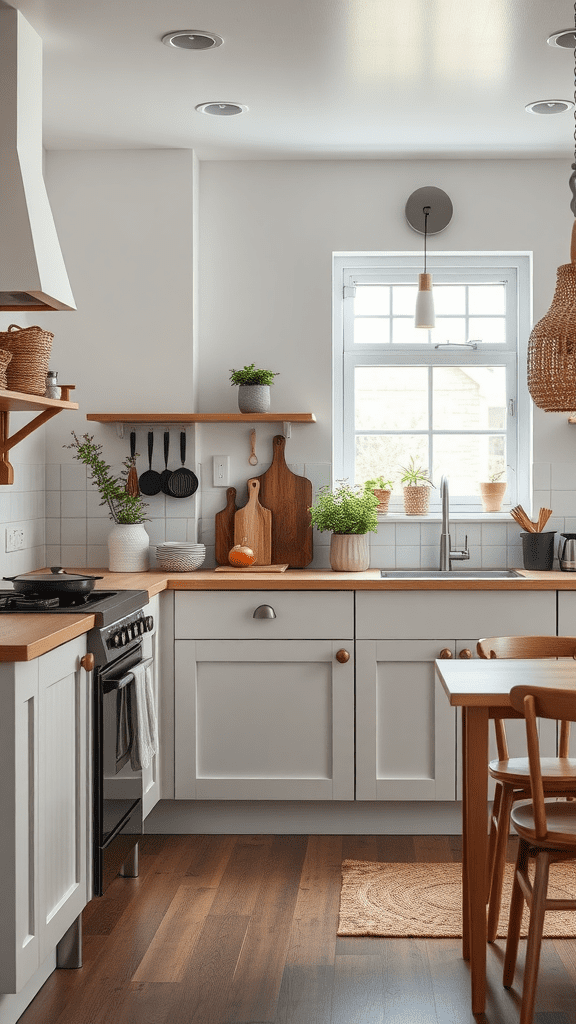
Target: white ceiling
<point>323,79</point>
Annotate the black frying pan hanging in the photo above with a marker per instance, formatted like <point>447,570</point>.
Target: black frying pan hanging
<point>150,480</point>
<point>166,473</point>
<point>183,482</point>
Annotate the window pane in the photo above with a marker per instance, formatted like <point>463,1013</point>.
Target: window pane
<point>449,329</point>
<point>466,459</point>
<point>469,397</point>
<point>371,331</point>
<point>404,299</point>
<point>391,397</point>
<point>492,331</point>
<point>384,454</point>
<point>372,300</point>
<point>484,299</point>
<point>449,299</point>
<point>404,332</point>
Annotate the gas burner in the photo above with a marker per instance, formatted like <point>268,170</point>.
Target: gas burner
<point>21,602</point>
<point>107,606</point>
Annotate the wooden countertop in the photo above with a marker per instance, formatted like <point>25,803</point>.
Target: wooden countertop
<point>25,637</point>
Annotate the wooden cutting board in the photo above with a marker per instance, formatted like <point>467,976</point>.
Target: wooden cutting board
<point>224,527</point>
<point>253,526</point>
<point>288,497</point>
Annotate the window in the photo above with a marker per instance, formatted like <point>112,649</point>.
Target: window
<point>454,397</point>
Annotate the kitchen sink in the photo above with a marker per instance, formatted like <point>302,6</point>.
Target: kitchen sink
<point>452,574</point>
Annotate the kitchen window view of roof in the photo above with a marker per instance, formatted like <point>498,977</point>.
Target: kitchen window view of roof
<point>237,794</point>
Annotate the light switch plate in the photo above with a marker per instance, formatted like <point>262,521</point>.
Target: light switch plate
<point>221,470</point>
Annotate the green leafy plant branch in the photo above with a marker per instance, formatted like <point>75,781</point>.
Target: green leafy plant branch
<point>414,476</point>
<point>122,507</point>
<point>345,510</point>
<point>250,375</point>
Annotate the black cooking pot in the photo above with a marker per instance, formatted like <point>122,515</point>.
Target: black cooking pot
<point>59,584</point>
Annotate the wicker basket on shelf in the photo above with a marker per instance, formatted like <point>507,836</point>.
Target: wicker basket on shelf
<point>5,358</point>
<point>30,348</point>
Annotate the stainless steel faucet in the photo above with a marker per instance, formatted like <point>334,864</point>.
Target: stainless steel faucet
<point>446,553</point>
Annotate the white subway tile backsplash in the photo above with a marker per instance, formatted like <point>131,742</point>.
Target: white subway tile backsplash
<point>73,504</point>
<point>494,556</point>
<point>74,556</point>
<point>53,531</point>
<point>73,477</point>
<point>494,533</point>
<point>73,531</point>
<point>563,503</point>
<point>407,556</point>
<point>541,476</point>
<point>97,556</point>
<point>176,529</point>
<point>563,477</point>
<point>97,530</point>
<point>382,556</point>
<point>407,534</point>
<point>53,476</point>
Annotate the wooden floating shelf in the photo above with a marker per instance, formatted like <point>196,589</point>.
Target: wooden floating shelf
<point>202,417</point>
<point>17,401</point>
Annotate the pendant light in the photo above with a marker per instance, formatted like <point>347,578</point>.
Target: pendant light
<point>428,211</point>
<point>552,343</point>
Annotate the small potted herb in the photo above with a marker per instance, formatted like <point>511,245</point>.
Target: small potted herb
<point>417,484</point>
<point>253,388</point>
<point>382,489</point>
<point>492,492</point>
<point>128,542</point>
<point>350,514</point>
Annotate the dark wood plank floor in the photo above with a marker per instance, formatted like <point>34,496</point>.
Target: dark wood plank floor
<point>242,930</point>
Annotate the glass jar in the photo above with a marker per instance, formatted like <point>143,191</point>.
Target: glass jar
<point>53,390</point>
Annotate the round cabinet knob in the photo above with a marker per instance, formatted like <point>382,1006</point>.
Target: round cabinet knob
<point>465,653</point>
<point>342,656</point>
<point>445,653</point>
<point>87,662</point>
<point>264,611</point>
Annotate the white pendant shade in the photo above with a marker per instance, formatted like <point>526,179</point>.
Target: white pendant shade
<point>424,314</point>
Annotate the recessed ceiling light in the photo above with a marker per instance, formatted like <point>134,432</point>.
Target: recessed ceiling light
<point>566,39</point>
<point>191,39</point>
<point>549,106</point>
<point>221,109</point>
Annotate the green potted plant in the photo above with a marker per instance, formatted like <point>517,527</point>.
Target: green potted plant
<point>492,492</point>
<point>416,487</point>
<point>350,514</point>
<point>382,489</point>
<point>253,388</point>
<point>128,542</point>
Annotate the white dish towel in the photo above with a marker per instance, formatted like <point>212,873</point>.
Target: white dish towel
<point>144,723</point>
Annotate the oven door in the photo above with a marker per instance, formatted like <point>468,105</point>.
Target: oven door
<point>117,789</point>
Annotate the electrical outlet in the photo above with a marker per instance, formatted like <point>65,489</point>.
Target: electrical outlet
<point>14,539</point>
<point>221,470</point>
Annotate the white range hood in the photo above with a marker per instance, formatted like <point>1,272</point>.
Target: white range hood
<point>32,271</point>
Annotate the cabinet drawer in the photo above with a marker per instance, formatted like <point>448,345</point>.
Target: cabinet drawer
<point>299,615</point>
<point>425,614</point>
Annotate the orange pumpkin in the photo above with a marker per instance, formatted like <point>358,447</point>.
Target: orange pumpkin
<point>241,556</point>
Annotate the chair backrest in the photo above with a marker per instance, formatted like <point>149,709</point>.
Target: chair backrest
<point>541,702</point>
<point>527,647</point>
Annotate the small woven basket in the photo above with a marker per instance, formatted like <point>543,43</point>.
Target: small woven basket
<point>30,348</point>
<point>5,358</point>
<point>416,500</point>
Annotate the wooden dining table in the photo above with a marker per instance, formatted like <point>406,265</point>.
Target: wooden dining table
<point>482,689</point>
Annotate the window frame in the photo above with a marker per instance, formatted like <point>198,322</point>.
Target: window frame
<point>514,268</point>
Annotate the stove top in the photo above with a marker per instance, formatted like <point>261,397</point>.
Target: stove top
<point>108,606</point>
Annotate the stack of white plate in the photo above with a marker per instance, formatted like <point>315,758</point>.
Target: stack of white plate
<point>180,556</point>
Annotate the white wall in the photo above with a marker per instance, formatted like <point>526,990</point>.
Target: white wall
<point>267,230</point>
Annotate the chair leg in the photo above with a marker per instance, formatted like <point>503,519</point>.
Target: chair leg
<point>492,835</point>
<point>515,919</point>
<point>499,861</point>
<point>537,911</point>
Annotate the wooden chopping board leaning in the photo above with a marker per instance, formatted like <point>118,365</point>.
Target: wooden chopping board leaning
<point>224,528</point>
<point>289,498</point>
<point>253,526</point>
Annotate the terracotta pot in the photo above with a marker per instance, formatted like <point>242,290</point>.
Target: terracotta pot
<point>383,500</point>
<point>349,552</point>
<point>493,495</point>
<point>417,499</point>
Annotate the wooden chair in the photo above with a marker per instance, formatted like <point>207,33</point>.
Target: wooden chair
<point>512,775</point>
<point>547,831</point>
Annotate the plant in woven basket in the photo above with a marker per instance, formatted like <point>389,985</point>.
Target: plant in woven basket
<point>122,507</point>
<point>382,490</point>
<point>416,488</point>
<point>345,510</point>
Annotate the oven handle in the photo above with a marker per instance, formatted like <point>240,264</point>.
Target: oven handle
<point>109,685</point>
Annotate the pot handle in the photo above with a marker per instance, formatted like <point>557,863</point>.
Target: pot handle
<point>59,571</point>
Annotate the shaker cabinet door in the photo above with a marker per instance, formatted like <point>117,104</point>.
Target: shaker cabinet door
<point>264,720</point>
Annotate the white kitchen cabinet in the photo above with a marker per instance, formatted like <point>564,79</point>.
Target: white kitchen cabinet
<point>264,708</point>
<point>43,796</point>
<point>407,735</point>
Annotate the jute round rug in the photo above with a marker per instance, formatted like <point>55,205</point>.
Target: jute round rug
<point>425,900</point>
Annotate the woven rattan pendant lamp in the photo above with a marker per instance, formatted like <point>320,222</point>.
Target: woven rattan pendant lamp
<point>552,344</point>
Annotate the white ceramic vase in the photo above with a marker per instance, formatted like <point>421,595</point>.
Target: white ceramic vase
<point>128,548</point>
<point>349,552</point>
